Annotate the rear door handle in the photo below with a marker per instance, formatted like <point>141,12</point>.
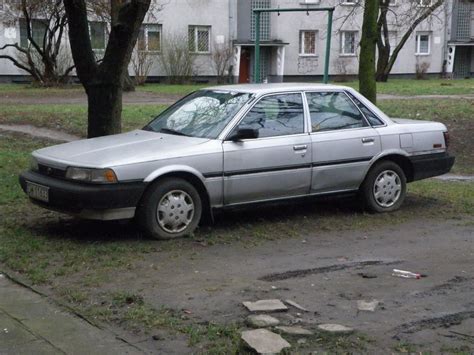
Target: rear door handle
<point>368,140</point>
<point>300,147</point>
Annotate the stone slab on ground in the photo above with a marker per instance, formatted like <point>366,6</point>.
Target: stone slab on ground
<point>262,321</point>
<point>296,305</point>
<point>335,328</point>
<point>264,341</point>
<point>272,305</point>
<point>29,323</point>
<point>368,306</point>
<point>294,330</point>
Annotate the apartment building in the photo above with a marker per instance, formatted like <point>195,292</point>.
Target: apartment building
<point>292,44</point>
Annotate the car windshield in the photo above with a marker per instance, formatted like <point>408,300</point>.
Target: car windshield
<point>203,114</point>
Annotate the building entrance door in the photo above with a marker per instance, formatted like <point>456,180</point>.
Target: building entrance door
<point>244,70</point>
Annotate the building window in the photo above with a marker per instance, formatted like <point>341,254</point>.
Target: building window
<point>149,38</point>
<point>348,42</point>
<point>423,43</point>
<point>392,40</point>
<point>308,42</point>
<point>265,24</point>
<point>97,34</point>
<point>38,30</point>
<point>199,39</point>
<point>392,2</point>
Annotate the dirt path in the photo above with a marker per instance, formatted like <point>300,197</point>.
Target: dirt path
<point>77,97</point>
<point>39,132</point>
<point>323,273</point>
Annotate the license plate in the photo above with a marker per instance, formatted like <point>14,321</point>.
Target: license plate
<point>38,192</point>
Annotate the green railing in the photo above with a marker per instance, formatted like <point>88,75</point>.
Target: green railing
<point>258,12</point>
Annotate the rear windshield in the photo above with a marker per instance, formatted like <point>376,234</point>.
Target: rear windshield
<point>204,114</point>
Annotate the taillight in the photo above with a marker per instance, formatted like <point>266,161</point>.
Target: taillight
<point>446,139</point>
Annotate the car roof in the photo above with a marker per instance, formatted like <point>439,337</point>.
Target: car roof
<point>275,87</point>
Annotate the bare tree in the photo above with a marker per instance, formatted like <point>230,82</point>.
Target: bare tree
<point>142,62</point>
<point>407,21</point>
<point>176,60</point>
<point>103,81</point>
<point>43,54</point>
<point>221,58</point>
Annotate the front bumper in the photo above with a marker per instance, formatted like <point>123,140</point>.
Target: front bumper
<point>429,165</point>
<point>93,201</point>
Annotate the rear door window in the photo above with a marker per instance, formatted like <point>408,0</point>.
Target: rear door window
<point>369,115</point>
<point>333,111</point>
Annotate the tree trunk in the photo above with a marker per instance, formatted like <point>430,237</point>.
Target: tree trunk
<point>103,82</point>
<point>367,83</point>
<point>382,64</point>
<point>105,107</point>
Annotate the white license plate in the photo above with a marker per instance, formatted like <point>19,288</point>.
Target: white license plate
<point>38,192</point>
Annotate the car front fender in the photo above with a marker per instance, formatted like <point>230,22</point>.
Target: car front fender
<point>169,169</point>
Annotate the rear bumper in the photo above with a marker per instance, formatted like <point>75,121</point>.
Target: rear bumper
<point>429,165</point>
<point>105,202</point>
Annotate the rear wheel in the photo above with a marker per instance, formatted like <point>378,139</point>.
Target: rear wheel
<point>384,187</point>
<point>171,208</point>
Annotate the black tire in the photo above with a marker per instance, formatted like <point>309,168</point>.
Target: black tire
<point>381,195</point>
<point>153,221</point>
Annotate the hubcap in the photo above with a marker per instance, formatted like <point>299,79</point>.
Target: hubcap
<point>175,211</point>
<point>387,188</point>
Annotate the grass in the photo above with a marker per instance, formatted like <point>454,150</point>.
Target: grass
<point>404,87</point>
<point>457,115</point>
<point>411,87</point>
<point>73,118</point>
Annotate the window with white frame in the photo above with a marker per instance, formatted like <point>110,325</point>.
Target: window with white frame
<point>348,42</point>
<point>308,43</point>
<point>349,2</point>
<point>199,39</point>
<point>309,2</point>
<point>97,34</point>
<point>425,3</point>
<point>149,38</point>
<point>423,44</point>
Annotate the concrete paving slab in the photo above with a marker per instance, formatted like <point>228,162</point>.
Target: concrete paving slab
<point>34,323</point>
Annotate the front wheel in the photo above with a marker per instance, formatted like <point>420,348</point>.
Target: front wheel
<point>171,208</point>
<point>384,187</point>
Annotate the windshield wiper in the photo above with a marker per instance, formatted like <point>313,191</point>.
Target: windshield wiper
<point>172,131</point>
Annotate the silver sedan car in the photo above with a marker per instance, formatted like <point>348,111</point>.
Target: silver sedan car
<point>239,144</point>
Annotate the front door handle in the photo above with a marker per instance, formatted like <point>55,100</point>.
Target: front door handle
<point>368,140</point>
<point>300,147</point>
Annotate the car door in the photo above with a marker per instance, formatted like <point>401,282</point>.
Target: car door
<point>343,142</point>
<point>275,165</point>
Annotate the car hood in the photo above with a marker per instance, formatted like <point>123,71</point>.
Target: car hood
<point>126,148</point>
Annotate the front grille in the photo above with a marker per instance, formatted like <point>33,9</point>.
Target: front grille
<point>50,171</point>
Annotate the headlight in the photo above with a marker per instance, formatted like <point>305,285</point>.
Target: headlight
<point>106,176</point>
<point>33,164</point>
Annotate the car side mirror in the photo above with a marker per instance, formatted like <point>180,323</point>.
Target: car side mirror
<point>243,133</point>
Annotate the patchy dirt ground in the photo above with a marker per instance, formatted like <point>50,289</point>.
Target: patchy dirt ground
<point>325,272</point>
